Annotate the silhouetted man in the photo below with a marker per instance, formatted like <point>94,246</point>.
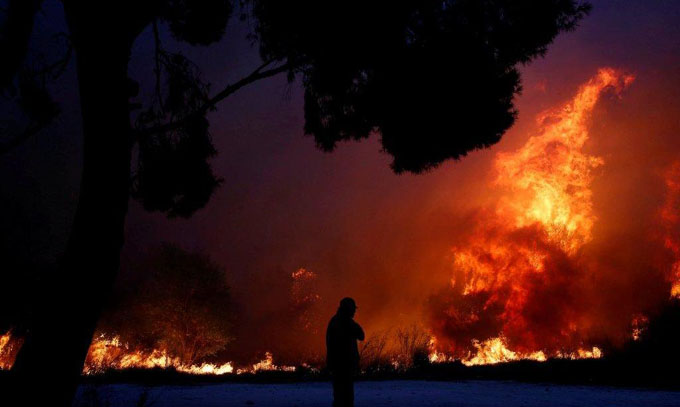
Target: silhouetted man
<point>342,354</point>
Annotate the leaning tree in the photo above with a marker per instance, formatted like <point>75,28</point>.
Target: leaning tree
<point>433,79</point>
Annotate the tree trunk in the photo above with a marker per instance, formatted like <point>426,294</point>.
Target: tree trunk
<point>49,364</point>
<point>15,34</point>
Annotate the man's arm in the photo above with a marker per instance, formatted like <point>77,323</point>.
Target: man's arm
<point>359,332</point>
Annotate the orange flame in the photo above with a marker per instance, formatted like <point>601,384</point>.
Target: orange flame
<point>4,341</point>
<point>9,347</point>
<point>549,178</point>
<point>537,227</point>
<point>110,353</point>
<point>494,351</point>
<point>266,364</point>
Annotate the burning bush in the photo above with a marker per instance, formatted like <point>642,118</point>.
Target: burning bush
<point>179,305</point>
<point>413,343</point>
<point>400,348</point>
<point>373,352</point>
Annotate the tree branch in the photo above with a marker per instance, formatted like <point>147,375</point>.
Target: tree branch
<point>157,60</point>
<point>211,103</point>
<point>54,70</point>
<point>15,34</point>
<point>19,139</point>
<point>48,72</point>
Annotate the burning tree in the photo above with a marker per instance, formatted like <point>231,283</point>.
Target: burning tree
<point>304,297</point>
<point>294,318</point>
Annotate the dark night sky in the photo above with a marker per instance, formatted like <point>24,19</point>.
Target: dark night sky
<point>343,215</point>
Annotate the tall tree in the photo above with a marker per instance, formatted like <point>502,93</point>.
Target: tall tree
<point>433,79</point>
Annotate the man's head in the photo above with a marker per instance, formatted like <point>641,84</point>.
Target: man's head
<point>347,307</point>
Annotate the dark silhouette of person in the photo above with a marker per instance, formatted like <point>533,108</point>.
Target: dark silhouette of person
<point>342,357</point>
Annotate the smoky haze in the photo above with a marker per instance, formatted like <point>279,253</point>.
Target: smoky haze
<point>388,240</point>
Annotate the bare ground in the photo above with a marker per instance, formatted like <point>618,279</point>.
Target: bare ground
<point>377,394</point>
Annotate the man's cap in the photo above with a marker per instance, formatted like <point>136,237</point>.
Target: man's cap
<point>348,302</point>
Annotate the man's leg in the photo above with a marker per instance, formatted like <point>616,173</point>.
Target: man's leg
<point>343,391</point>
<point>336,392</point>
<point>350,391</point>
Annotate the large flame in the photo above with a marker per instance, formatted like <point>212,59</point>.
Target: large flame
<point>548,180</point>
<point>522,253</point>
